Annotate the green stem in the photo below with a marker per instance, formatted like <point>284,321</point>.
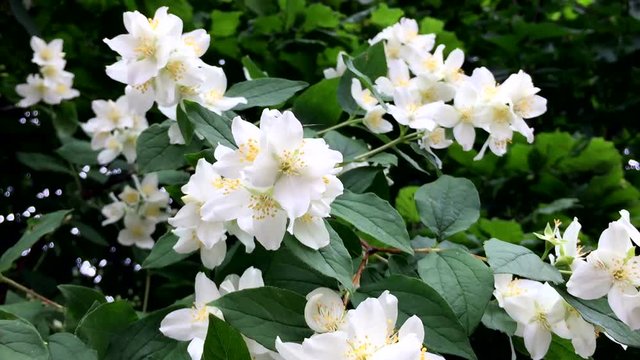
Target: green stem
<point>394,142</point>
<point>147,287</point>
<point>350,121</point>
<point>30,292</point>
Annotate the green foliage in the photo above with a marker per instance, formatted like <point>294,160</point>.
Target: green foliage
<point>506,258</point>
<point>162,253</point>
<point>265,91</point>
<point>156,153</point>
<point>20,340</point>
<point>223,342</point>
<point>103,322</point>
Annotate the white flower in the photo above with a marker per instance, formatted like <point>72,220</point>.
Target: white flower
<point>137,231</point>
<point>583,334</point>
<point>567,245</point>
<point>398,76</point>
<point>250,279</point>
<point>113,212</point>
<point>211,92</point>
<point>434,66</point>
<point>611,270</point>
<point>409,110</point>
<point>47,54</point>
<point>192,324</point>
<point>375,123</point>
<point>362,97</point>
<point>324,311</point>
<point>435,139</point>
<point>496,145</point>
<point>368,332</point>
<point>625,221</point>
<point>145,49</point>
<point>340,68</point>
<point>51,91</point>
<point>110,115</point>
<point>232,163</point>
<point>522,94</point>
<point>32,92</point>
<point>404,34</point>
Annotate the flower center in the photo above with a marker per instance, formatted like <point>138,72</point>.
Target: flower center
<point>263,206</point>
<point>249,151</point>
<point>200,314</point>
<point>291,162</point>
<point>226,185</point>
<point>146,48</point>
<point>176,70</point>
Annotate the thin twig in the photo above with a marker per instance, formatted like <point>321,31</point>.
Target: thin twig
<point>31,293</point>
<point>147,287</point>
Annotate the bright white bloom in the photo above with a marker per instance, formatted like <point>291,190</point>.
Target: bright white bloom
<point>211,92</point>
<point>625,221</point>
<point>434,66</point>
<point>409,110</point>
<point>47,54</point>
<point>375,123</point>
<point>435,139</point>
<point>340,68</point>
<point>192,324</point>
<point>398,76</point>
<point>367,332</point>
<point>113,212</point>
<point>404,37</point>
<point>137,231</point>
<point>50,90</point>
<point>145,49</point>
<point>363,97</point>
<point>324,311</point>
<point>522,94</point>
<point>611,270</point>
<point>566,246</point>
<point>583,334</point>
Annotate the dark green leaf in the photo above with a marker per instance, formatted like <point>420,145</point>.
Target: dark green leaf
<point>42,162</point>
<point>506,258</point>
<point>224,342</point>
<point>465,282</point>
<point>265,91</point>
<point>318,105</point>
<point>66,346</point>
<point>162,253</point>
<point>78,152</point>
<point>252,68</point>
<point>104,322</point>
<point>444,333</point>
<point>37,228</point>
<point>21,341</point>
<point>374,217</point>
<point>214,128</point>
<point>496,318</point>
<point>264,313</point>
<point>373,64</point>
<point>448,205</point>
<point>155,153</point>
<point>78,300</point>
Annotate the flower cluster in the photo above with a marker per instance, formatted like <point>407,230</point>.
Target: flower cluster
<point>274,175</point>
<point>612,270</point>
<point>53,84</point>
<point>366,332</point>
<point>427,92</point>
<point>142,208</point>
<point>539,312</point>
<point>161,64</point>
<point>115,129</point>
<point>192,324</point>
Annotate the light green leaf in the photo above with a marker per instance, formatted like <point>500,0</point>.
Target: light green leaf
<point>214,128</point>
<point>265,91</point>
<point>66,346</point>
<point>507,230</point>
<point>162,253</point>
<point>320,16</point>
<point>224,23</point>
<point>21,341</point>
<point>373,64</point>
<point>465,282</point>
<point>406,204</point>
<point>448,205</point>
<point>318,105</point>
<point>264,313</point>
<point>384,16</point>
<point>348,147</point>
<point>374,217</point>
<point>254,71</point>
<point>429,25</point>
<point>598,312</point>
<point>444,332</point>
<point>332,260</point>
<point>104,322</point>
<point>224,342</point>
<point>506,258</point>
<point>78,300</point>
<point>142,340</point>
<point>37,228</point>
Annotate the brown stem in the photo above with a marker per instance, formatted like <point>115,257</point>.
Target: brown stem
<point>363,263</point>
<point>31,293</point>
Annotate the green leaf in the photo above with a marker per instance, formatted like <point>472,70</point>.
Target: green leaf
<point>406,204</point>
<point>162,253</point>
<point>374,217</point>
<point>21,341</point>
<point>507,230</point>
<point>360,179</point>
<point>37,228</point>
<point>66,346</point>
<point>66,121</point>
<point>213,127</point>
<point>78,300</point>
<point>224,23</point>
<point>264,313</point>
<point>318,105</point>
<point>42,162</point>
<point>78,152</point>
<point>384,16</point>
<point>90,233</point>
<point>265,91</point>
<point>465,282</point>
<point>224,342</point>
<point>142,340</point>
<point>448,205</point>
<point>429,25</point>
<point>444,334</point>
<point>287,271</point>
<point>173,177</point>
<point>320,16</point>
<point>332,260</point>
<point>155,153</point>
<point>506,258</point>
<point>561,349</point>
<point>373,64</point>
<point>348,147</point>
<point>599,313</point>
<point>185,126</point>
<point>252,68</point>
<point>496,318</point>
<point>105,321</point>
